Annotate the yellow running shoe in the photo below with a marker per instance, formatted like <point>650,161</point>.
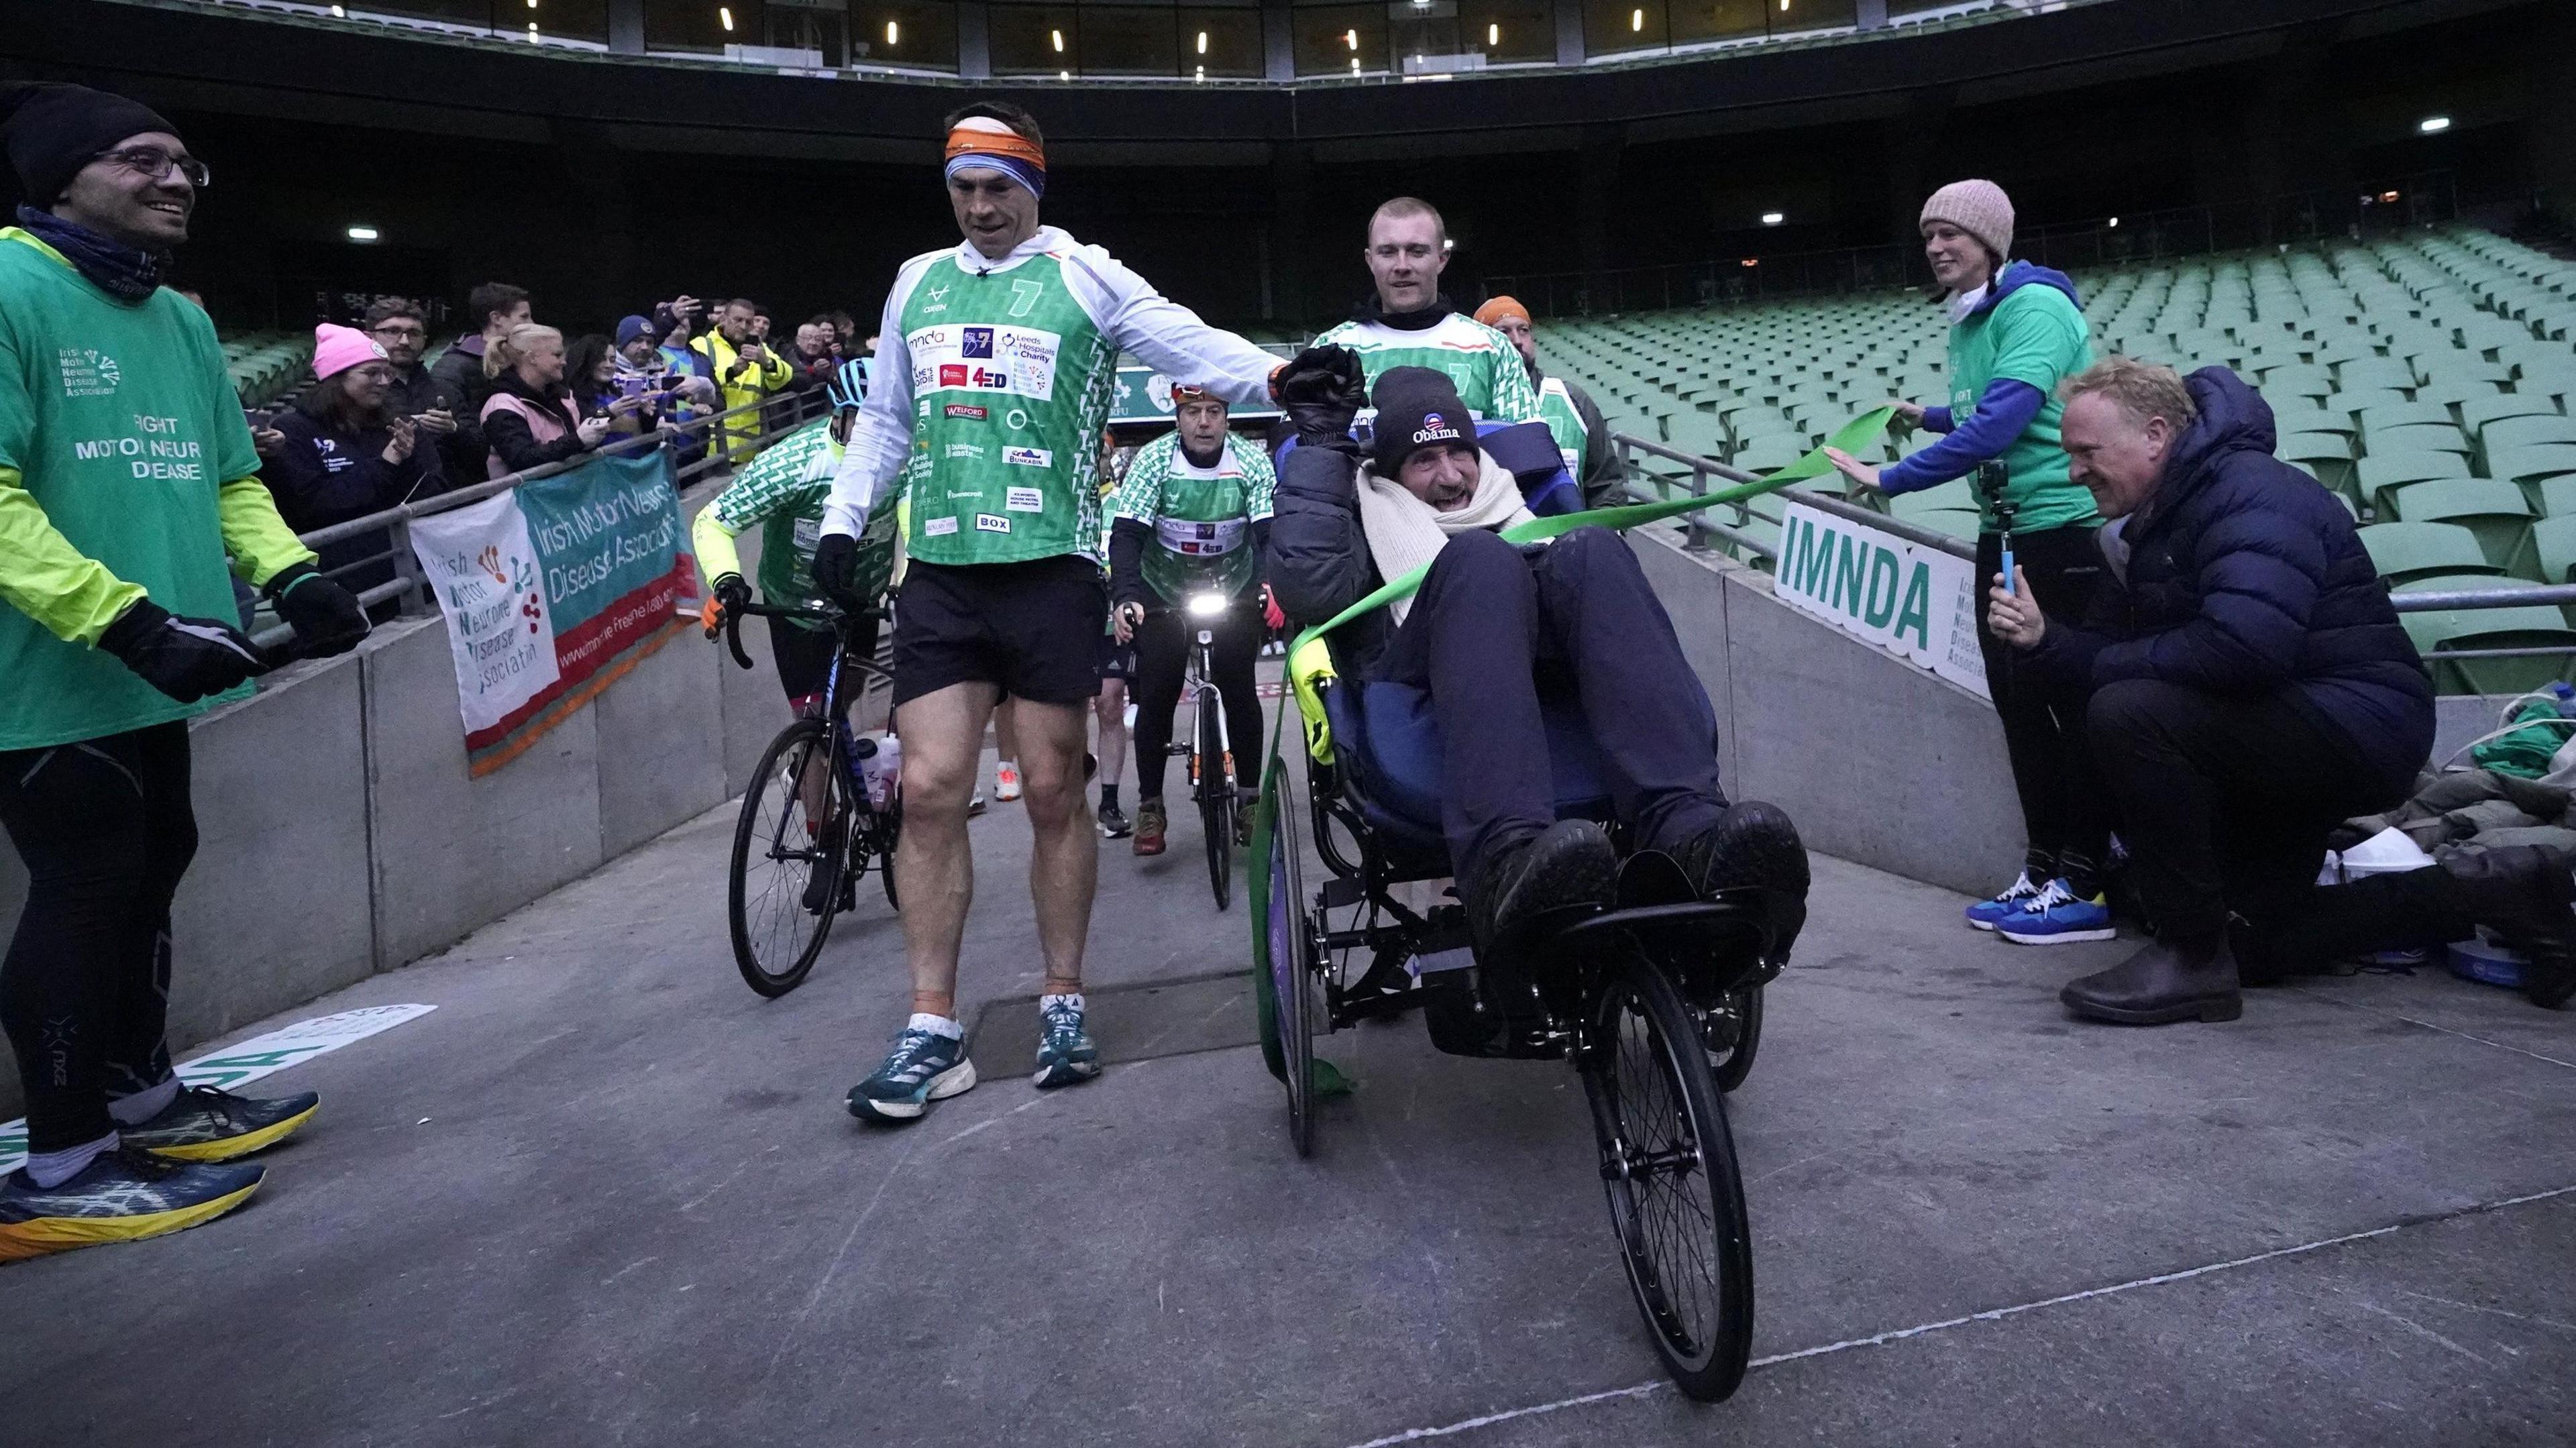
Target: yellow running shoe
<point>204,1124</point>
<point>123,1196</point>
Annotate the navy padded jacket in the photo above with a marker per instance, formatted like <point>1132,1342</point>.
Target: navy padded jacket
<point>2244,575</point>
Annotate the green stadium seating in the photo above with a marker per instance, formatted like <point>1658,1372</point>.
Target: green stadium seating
<point>2403,552</point>
<point>2497,512</point>
<point>2441,631</point>
<point>2549,554</point>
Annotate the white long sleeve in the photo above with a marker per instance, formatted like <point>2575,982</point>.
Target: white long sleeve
<point>881,441</point>
<point>1165,335</point>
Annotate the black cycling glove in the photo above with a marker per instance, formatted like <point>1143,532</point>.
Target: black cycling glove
<point>836,563</point>
<point>326,617</point>
<point>732,594</point>
<point>185,658</point>
<point>1322,389</point>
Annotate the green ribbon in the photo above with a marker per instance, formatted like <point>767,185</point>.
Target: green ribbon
<point>1864,431</point>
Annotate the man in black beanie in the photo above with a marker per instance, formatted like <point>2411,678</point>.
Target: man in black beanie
<point>127,476</point>
<point>1493,626</point>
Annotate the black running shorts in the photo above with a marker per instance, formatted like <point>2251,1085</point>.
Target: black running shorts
<point>1032,628</point>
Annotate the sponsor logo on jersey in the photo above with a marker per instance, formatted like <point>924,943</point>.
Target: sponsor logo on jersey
<point>964,451</point>
<point>976,342</point>
<point>952,374</point>
<point>1017,419</point>
<point>966,410</point>
<point>938,527</point>
<point>1024,500</point>
<point>924,404</point>
<point>992,523</point>
<point>88,372</point>
<point>931,339</point>
<point>1028,457</point>
<point>986,377</point>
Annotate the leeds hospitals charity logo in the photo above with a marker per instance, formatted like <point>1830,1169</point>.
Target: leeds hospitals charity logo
<point>88,372</point>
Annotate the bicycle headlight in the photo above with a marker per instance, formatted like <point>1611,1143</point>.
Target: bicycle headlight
<point>1206,605</point>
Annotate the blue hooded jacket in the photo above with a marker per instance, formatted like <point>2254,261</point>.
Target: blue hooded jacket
<point>2245,576</point>
<point>2002,412</point>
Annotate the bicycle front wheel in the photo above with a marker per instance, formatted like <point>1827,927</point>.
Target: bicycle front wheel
<point>784,882</point>
<point>1215,792</point>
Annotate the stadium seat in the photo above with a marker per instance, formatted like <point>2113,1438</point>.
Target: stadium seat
<point>2442,631</point>
<point>2549,553</point>
<point>2497,512</point>
<point>2380,472</point>
<point>2404,552</point>
<point>2515,432</point>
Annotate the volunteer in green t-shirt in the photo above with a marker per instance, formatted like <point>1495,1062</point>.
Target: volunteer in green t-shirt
<point>1407,322</point>
<point>2015,333</point>
<point>126,476</point>
<point>1582,434</point>
<point>996,363</point>
<point>1191,518</point>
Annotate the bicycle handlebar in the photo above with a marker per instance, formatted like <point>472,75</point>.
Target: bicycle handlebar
<point>837,619</point>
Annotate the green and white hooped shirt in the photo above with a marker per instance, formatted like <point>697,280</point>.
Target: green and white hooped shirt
<point>993,382</point>
<point>1556,409</point>
<point>1487,369</point>
<point>1202,517</point>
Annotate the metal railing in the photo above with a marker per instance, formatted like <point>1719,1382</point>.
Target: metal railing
<point>780,414</point>
<point>1643,484</point>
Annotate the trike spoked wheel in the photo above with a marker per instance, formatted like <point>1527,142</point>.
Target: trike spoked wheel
<point>1216,796</point>
<point>1668,1163</point>
<point>1732,1058</point>
<point>1292,973</point>
<point>784,883</point>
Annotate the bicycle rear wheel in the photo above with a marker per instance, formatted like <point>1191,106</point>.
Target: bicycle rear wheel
<point>1668,1167</point>
<point>1293,965</point>
<point>1215,792</point>
<point>782,859</point>
<point>1736,1061</point>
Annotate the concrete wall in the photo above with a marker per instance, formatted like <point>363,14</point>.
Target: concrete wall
<point>342,836</point>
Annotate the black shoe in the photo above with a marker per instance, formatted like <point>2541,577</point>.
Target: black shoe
<point>2168,981</point>
<point>1113,823</point>
<point>2524,894</point>
<point>1571,862</point>
<point>1754,844</point>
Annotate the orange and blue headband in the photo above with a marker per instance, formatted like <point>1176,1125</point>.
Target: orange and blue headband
<point>982,143</point>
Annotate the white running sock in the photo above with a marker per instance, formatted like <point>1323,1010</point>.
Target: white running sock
<point>1074,1000</point>
<point>143,1105</point>
<point>53,1168</point>
<point>935,1025</point>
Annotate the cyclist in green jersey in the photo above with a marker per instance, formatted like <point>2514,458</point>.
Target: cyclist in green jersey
<point>1191,518</point>
<point>996,366</point>
<point>1582,435</point>
<point>1408,322</point>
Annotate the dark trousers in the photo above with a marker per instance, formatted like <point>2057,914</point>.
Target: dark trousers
<point>106,830</point>
<point>2225,803</point>
<point>1490,620</point>
<point>1163,645</point>
<point>2061,804</point>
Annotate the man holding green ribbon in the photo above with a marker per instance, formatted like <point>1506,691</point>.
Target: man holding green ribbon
<point>1493,626</point>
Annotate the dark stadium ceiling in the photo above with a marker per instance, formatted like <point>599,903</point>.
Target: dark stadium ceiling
<point>198,56</point>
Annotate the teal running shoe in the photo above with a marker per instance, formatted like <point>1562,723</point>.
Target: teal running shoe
<point>1066,1056</point>
<point>923,1067</point>
<point>2058,916</point>
<point>1987,914</point>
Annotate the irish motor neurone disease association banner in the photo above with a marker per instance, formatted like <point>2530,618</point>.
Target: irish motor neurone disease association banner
<point>552,591</point>
<point>1918,603</point>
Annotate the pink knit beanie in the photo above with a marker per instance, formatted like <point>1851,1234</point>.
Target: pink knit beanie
<point>1979,208</point>
<point>336,349</point>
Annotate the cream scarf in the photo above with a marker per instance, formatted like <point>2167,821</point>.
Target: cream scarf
<point>1404,532</point>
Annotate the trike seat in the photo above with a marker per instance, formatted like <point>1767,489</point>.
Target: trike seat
<point>1389,748</point>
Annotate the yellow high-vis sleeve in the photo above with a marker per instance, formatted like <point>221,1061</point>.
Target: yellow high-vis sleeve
<point>44,577</point>
<point>261,544</point>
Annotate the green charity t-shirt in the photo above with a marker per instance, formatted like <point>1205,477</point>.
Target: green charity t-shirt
<point>2034,335</point>
<point>1202,517</point>
<point>1490,376</point>
<point>1015,383</point>
<point>783,490</point>
<point>123,426</point>
<point>1556,409</point>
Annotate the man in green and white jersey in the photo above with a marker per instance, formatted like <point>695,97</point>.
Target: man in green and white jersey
<point>1192,517</point>
<point>1582,435</point>
<point>1409,323</point>
<point>996,366</point>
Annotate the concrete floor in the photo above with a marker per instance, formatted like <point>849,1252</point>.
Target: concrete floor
<point>604,1194</point>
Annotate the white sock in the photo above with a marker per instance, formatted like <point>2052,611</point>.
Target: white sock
<point>1074,1000</point>
<point>145,1104</point>
<point>53,1168</point>
<point>936,1025</point>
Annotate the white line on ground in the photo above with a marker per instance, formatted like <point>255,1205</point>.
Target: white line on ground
<point>2445,1030</point>
<point>1995,1314</point>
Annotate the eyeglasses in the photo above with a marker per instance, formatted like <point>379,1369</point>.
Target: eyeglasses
<point>155,164</point>
<point>398,329</point>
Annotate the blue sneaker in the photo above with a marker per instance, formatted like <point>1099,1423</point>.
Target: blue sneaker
<point>2055,916</point>
<point>923,1067</point>
<point>1066,1056</point>
<point>1986,914</point>
<point>122,1196</point>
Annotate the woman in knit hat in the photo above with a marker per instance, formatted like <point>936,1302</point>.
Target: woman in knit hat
<point>2015,333</point>
<point>347,455</point>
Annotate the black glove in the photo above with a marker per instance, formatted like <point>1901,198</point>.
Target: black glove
<point>836,564</point>
<point>326,617</point>
<point>1321,390</point>
<point>732,594</point>
<point>185,658</point>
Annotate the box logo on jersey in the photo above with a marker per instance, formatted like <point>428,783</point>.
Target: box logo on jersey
<point>992,523</point>
<point>1028,457</point>
<point>1017,360</point>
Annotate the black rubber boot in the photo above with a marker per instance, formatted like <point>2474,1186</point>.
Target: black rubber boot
<point>1571,862</point>
<point>1754,844</point>
<point>2170,980</point>
<point>2525,895</point>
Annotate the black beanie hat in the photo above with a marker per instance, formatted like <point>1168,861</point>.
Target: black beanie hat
<point>52,131</point>
<point>1416,408</point>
